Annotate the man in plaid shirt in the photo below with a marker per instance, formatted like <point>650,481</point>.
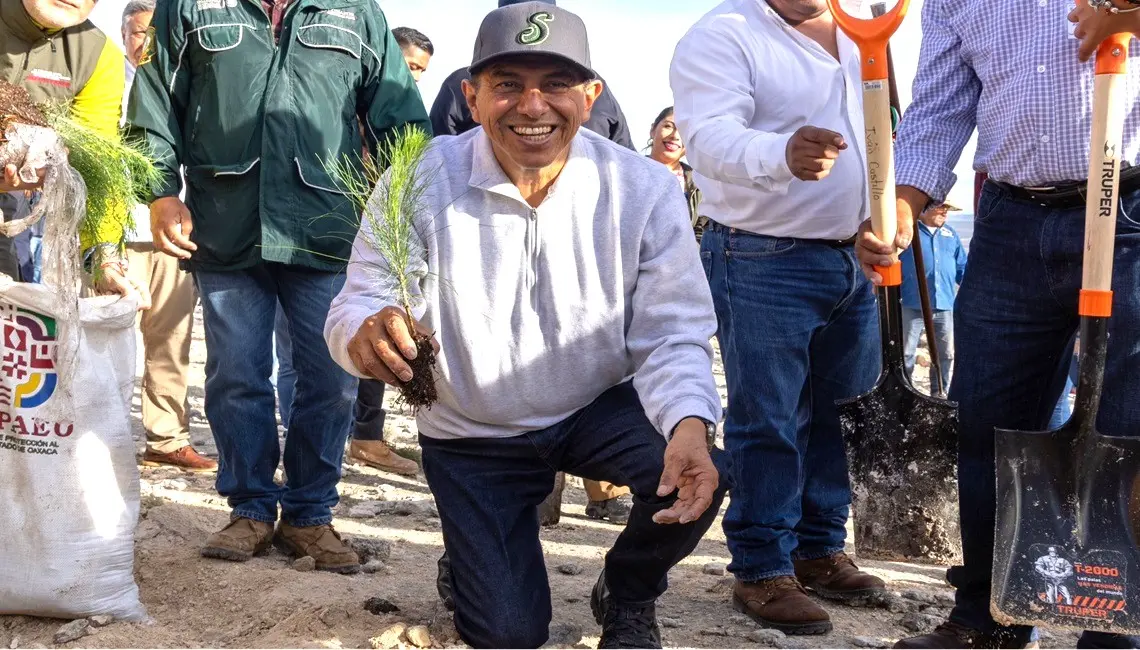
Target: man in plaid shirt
<point>1025,82</point>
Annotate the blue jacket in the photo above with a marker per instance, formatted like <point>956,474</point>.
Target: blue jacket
<point>945,260</point>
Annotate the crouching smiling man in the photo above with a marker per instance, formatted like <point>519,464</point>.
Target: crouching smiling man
<point>573,332</point>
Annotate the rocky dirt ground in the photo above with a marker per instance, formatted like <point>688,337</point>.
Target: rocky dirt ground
<point>268,603</point>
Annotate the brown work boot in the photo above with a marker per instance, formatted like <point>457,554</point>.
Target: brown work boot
<point>837,578</point>
<point>185,458</point>
<point>377,453</point>
<point>951,635</point>
<point>781,603</point>
<point>240,540</point>
<point>321,543</point>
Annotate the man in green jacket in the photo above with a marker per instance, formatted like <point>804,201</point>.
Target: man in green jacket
<point>252,99</point>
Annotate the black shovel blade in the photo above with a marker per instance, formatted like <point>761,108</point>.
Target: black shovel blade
<point>902,456</point>
<point>1065,538</point>
<point>1065,551</point>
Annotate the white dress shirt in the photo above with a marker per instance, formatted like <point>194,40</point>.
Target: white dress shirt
<point>743,82</point>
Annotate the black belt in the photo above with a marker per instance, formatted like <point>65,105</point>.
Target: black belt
<point>834,243</point>
<point>1069,194</point>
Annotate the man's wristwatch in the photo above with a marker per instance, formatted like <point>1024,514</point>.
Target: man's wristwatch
<point>710,430</point>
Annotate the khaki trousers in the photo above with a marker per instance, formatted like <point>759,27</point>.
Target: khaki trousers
<point>167,328</point>
<point>602,491</point>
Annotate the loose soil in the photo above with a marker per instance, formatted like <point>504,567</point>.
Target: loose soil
<point>421,391</point>
<point>16,107</point>
<point>265,603</point>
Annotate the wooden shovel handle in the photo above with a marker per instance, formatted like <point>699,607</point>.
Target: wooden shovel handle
<point>872,36</point>
<point>1104,175</point>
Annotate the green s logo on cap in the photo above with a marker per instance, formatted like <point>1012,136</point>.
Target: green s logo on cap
<point>538,29</point>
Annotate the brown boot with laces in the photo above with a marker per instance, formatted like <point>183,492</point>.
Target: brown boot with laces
<point>781,603</point>
<point>240,540</point>
<point>321,543</point>
<point>837,578</point>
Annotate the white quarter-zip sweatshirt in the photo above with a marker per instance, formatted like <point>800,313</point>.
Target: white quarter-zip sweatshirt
<point>540,311</point>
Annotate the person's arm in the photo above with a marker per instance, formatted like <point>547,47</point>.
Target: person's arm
<point>389,99</point>
<point>1094,26</point>
<point>711,77</point>
<point>943,113</point>
<point>159,95</point>
<point>672,319</point>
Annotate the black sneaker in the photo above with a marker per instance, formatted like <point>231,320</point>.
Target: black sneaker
<point>623,626</point>
<point>443,582</point>
<point>614,510</point>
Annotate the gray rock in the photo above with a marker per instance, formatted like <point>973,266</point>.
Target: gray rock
<point>365,510</point>
<point>380,606</point>
<point>868,642</point>
<point>919,623</point>
<point>944,599</point>
<point>419,636</point>
<point>899,605</point>
<point>570,569</point>
<point>370,549</point>
<point>102,620</point>
<point>920,597</point>
<point>722,586</point>
<point>72,631</point>
<point>416,508</point>
<point>14,643</point>
<point>740,619</point>
<point>564,635</point>
<point>715,569</point>
<point>767,637</point>
<point>670,623</point>
<point>174,484</point>
<point>716,631</point>
<point>372,566</point>
<point>304,564</point>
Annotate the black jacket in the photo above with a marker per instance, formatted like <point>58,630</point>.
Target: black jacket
<point>450,115</point>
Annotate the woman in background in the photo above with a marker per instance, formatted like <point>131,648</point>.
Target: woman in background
<point>667,148</point>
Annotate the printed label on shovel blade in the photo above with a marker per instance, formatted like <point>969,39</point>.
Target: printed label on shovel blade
<point>1072,586</point>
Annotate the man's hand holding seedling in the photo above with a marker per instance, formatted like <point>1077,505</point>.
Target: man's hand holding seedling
<point>383,345</point>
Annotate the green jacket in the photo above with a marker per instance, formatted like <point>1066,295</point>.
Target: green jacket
<point>253,120</point>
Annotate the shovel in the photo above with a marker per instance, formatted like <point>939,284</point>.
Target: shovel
<point>901,444</point>
<point>1065,551</point>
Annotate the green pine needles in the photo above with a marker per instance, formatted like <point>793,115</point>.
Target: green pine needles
<point>116,173</point>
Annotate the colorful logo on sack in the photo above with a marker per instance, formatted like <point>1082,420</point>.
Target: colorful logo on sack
<point>28,376</point>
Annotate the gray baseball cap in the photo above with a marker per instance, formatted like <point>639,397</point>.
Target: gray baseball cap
<point>532,28</point>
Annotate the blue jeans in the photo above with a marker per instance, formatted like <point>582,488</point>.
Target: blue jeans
<point>1015,318</point>
<point>368,410</point>
<point>913,326</point>
<point>238,313</point>
<point>798,330</point>
<point>488,491</point>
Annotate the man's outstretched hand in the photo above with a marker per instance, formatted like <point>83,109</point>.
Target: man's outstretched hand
<point>690,471</point>
<point>11,181</point>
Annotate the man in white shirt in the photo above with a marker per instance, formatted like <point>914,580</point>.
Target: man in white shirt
<point>574,337</point>
<point>768,95</point>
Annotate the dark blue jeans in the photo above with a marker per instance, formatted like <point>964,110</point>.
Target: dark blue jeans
<point>798,330</point>
<point>238,314</point>
<point>1015,320</point>
<point>914,327</point>
<point>488,492</point>
<point>368,410</point>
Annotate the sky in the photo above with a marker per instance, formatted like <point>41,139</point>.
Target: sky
<point>631,44</point>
